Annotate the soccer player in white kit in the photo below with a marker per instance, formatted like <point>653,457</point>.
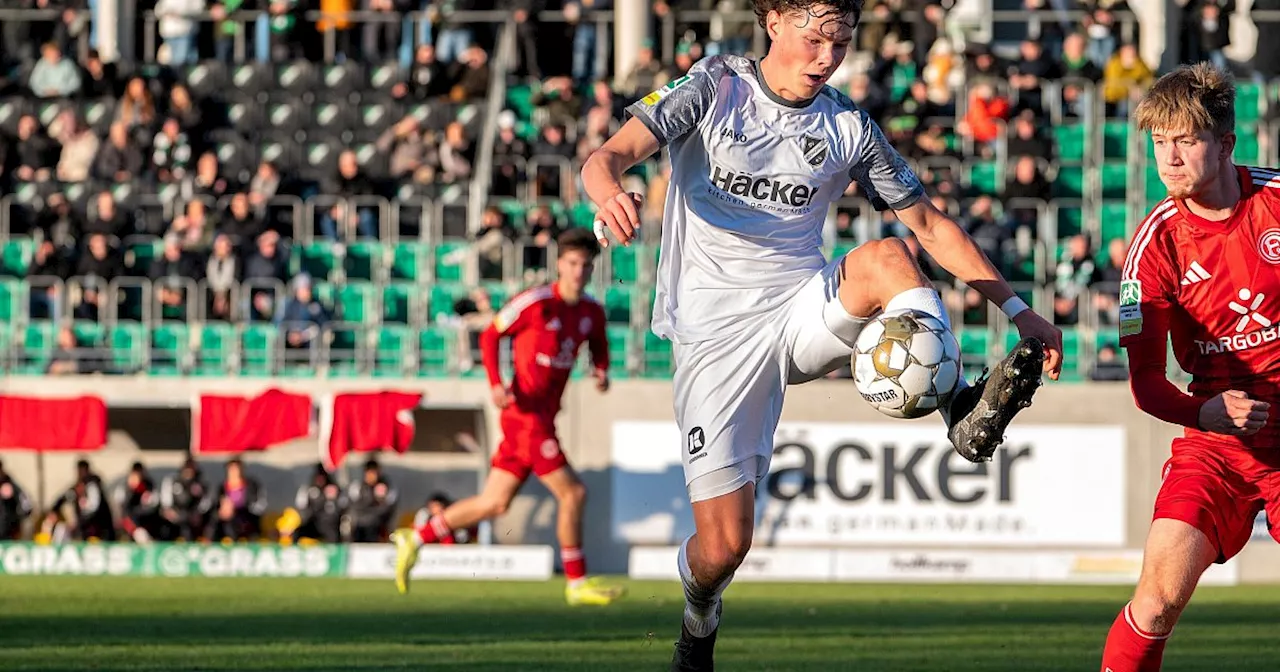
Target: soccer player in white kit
<point>759,151</point>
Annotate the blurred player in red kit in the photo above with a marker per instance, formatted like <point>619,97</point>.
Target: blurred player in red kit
<point>1204,269</point>
<point>547,326</point>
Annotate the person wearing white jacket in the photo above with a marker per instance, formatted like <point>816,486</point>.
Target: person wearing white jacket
<point>179,27</point>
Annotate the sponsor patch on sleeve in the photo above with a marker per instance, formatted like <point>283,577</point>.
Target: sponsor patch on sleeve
<point>1130,292</point>
<point>654,97</point>
<point>1130,319</point>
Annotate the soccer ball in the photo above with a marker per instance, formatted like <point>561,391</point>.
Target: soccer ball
<point>906,363</point>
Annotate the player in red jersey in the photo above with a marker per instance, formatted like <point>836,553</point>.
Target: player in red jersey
<point>547,326</point>
<point>1204,269</point>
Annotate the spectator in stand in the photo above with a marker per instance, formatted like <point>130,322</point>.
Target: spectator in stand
<point>91,515</point>
<point>36,152</point>
<point>982,225</point>
<point>1028,75</point>
<point>1026,181</point>
<point>944,75</point>
<point>903,120</point>
<point>1076,63</point>
<point>540,231</point>
<point>982,64</point>
<point>68,358</point>
<point>456,155</point>
<point>1211,32</point>
<point>107,219</point>
<point>491,242</point>
<point>983,123</point>
<point>79,146</point>
<point>1025,138</point>
<point>435,506</point>
<point>586,33</point>
<point>283,19</point>
<point>54,76</point>
<point>100,79</point>
<point>241,503</point>
<point>179,29</point>
<point>896,69</point>
<point>404,145</point>
<point>60,223</point>
<point>1109,366</point>
<point>525,14</point>
<point>96,269</point>
<point>168,274</point>
<point>194,227</point>
<point>1102,28</point>
<point>171,153</point>
<point>510,154</point>
<point>221,274</point>
<point>139,504</point>
<point>334,19</point>
<point>644,76</point>
<point>225,31</point>
<point>266,263</point>
<point>1074,273</point>
<point>475,313</point>
<point>454,37</point>
<point>382,38</point>
<point>185,501</point>
<point>343,220</point>
<point>548,179</point>
<point>136,109</point>
<point>119,160</point>
<point>470,76</point>
<point>303,316</point>
<point>427,77</point>
<point>242,224</point>
<point>184,109</point>
<point>15,507</point>
<point>206,181</point>
<point>1106,282</point>
<point>264,186</point>
<point>1124,80</point>
<point>49,261</point>
<point>373,503</point>
<point>559,102</point>
<point>321,505</point>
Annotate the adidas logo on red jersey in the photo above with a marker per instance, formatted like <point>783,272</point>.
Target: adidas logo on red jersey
<point>1195,274</point>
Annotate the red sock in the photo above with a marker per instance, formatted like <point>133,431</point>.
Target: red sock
<point>1129,649</point>
<point>435,531</point>
<point>575,566</point>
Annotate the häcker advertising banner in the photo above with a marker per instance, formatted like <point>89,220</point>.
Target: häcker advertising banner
<point>848,484</point>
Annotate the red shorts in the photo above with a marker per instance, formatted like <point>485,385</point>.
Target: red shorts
<point>1219,489</point>
<point>529,443</point>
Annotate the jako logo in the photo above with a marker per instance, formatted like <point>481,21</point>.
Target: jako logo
<point>733,135</point>
<point>763,188</point>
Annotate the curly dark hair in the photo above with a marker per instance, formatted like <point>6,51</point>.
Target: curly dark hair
<point>837,8</point>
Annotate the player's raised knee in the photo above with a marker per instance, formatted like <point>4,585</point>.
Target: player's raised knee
<point>727,552</point>
<point>875,256</point>
<point>1157,609</point>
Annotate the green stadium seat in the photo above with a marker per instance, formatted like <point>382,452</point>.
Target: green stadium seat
<point>1153,188</point>
<point>344,350</point>
<point>318,259</point>
<point>499,293</point>
<point>1070,182</point>
<point>13,297</point>
<point>975,347</point>
<point>216,348</point>
<point>1248,102</point>
<point>141,252</point>
<point>170,349</point>
<point>15,258</point>
<point>443,295</point>
<point>351,301</point>
<point>38,343</point>
<point>435,351</point>
<point>363,259</point>
<point>402,302</point>
<point>1070,219</point>
<point>984,177</point>
<point>89,334</point>
<point>618,303</point>
<point>449,266</point>
<point>410,261</point>
<point>658,359</point>
<point>1247,152</point>
<point>1115,221</point>
<point>1071,141</point>
<point>620,340</point>
<point>582,215</point>
<point>622,261</point>
<point>258,345</point>
<point>1115,139</point>
<point>393,353</point>
<point>1114,176</point>
<point>128,346</point>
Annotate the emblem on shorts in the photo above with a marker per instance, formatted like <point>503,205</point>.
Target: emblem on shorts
<point>815,149</point>
<point>550,448</point>
<point>697,441</point>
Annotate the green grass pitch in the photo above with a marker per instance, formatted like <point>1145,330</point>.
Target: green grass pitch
<point>70,624</point>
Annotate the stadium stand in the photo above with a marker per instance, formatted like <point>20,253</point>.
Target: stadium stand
<point>184,208</point>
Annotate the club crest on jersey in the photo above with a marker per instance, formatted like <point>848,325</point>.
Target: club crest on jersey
<point>815,149</point>
<point>1269,246</point>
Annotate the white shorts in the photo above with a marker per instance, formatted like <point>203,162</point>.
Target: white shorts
<point>729,391</point>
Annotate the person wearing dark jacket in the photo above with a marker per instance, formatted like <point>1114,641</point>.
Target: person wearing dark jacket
<point>241,502</point>
<point>140,506</point>
<point>91,515</point>
<point>348,182</point>
<point>185,501</point>
<point>373,502</point>
<point>14,507</point>
<point>98,267</point>
<point>118,160</point>
<point>321,505</point>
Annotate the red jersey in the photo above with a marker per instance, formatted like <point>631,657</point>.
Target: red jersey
<point>1214,287</point>
<point>546,333</point>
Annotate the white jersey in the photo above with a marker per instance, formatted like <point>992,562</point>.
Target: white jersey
<point>753,176</point>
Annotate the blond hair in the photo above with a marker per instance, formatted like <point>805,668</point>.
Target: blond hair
<point>1191,99</point>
